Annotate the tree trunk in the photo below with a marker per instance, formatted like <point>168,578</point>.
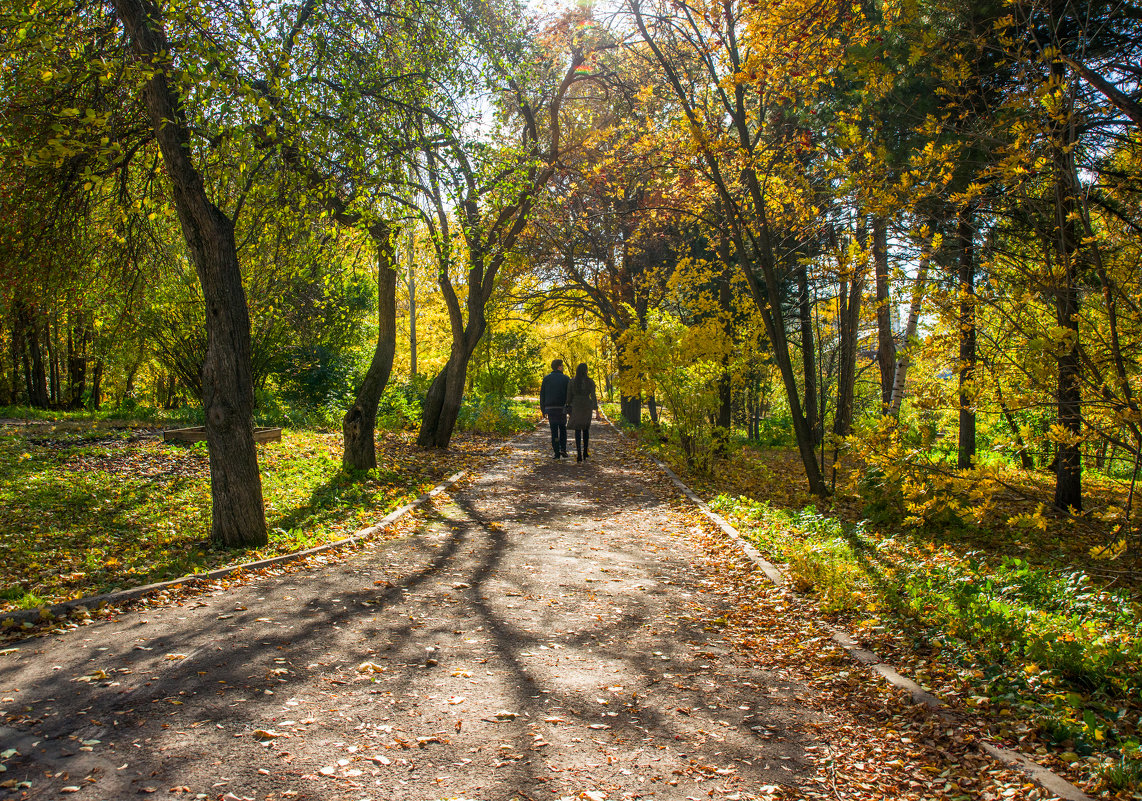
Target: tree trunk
<point>725,402</point>
<point>966,232</point>
<point>901,377</point>
<point>886,345</point>
<point>97,384</point>
<point>237,515</point>
<point>8,384</point>
<point>411,302</point>
<point>808,352</point>
<point>77,338</point>
<point>630,409</point>
<point>53,364</point>
<point>1068,462</point>
<point>445,396</point>
<point>38,387</point>
<point>360,422</point>
<point>652,408</point>
<point>132,373</point>
<point>848,321</point>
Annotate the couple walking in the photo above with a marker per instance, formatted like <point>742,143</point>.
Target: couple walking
<point>569,402</point>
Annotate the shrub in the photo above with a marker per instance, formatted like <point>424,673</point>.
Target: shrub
<point>492,414</point>
<point>402,404</point>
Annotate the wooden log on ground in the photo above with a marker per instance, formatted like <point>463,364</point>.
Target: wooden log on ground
<point>198,434</point>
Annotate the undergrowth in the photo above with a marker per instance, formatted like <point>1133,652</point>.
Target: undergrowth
<point>1049,645</point>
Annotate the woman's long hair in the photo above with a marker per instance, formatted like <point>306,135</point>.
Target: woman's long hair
<point>581,382</point>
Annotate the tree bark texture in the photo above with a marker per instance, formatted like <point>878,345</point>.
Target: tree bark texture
<point>360,422</point>
<point>97,384</point>
<point>411,302</point>
<point>445,396</point>
<point>848,321</point>
<point>886,344</point>
<point>237,515</point>
<point>53,364</point>
<point>38,387</point>
<point>808,351</point>
<point>966,236</point>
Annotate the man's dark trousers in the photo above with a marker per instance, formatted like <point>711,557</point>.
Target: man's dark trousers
<point>558,420</point>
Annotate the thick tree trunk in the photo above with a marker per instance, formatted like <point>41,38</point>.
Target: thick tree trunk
<point>38,388</point>
<point>886,344</point>
<point>445,396</point>
<point>966,235</point>
<point>238,516</point>
<point>652,408</point>
<point>630,409</point>
<point>725,402</point>
<point>360,422</point>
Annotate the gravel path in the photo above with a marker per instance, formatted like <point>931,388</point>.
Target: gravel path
<point>547,633</point>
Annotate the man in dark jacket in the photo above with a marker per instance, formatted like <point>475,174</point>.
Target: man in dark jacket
<point>553,402</point>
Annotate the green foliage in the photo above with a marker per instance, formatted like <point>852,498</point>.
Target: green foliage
<point>402,404</point>
<point>494,414</point>
<point>682,365</point>
<point>1049,638</point>
<point>506,363</point>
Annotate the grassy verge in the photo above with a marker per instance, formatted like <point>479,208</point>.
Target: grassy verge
<point>1022,629</point>
<point>90,504</point>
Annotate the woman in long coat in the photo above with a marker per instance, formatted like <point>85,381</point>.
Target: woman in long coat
<point>583,404</point>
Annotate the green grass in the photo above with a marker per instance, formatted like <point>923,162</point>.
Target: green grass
<point>89,505</point>
<point>1052,647</point>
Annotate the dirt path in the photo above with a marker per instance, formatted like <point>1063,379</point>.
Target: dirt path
<point>552,632</point>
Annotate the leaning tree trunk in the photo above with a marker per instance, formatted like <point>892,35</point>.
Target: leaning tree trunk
<point>237,515</point>
<point>901,377</point>
<point>360,423</point>
<point>967,448</point>
<point>445,396</point>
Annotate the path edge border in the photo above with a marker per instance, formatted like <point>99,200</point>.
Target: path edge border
<point>11,620</point>
<point>1044,777</point>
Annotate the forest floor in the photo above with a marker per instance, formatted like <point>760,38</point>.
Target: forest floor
<point>548,630</point>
